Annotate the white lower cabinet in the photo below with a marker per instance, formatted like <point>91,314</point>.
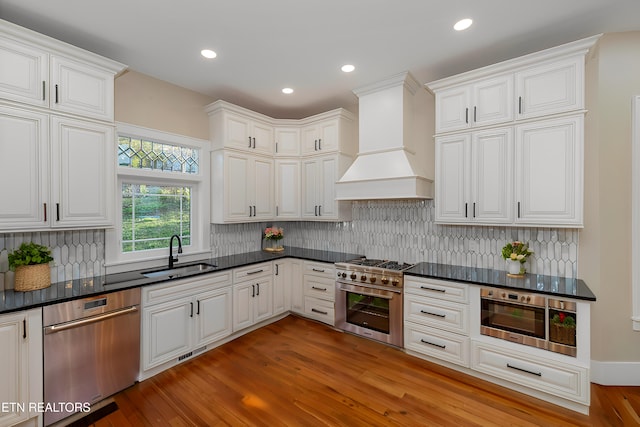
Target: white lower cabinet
<point>287,286</point>
<point>319,291</point>
<point>549,376</point>
<point>21,366</point>
<point>436,319</point>
<point>182,316</point>
<point>252,295</point>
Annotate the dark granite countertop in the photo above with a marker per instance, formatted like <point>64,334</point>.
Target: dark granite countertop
<point>69,290</point>
<point>537,283</point>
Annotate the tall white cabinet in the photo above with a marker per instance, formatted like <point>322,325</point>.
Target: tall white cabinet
<point>509,141</point>
<point>56,122</point>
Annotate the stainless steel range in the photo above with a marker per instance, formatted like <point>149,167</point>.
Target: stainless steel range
<point>369,298</point>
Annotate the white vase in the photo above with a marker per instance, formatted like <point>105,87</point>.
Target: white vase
<point>514,267</point>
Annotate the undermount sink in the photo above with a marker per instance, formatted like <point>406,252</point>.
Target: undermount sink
<point>180,270</point>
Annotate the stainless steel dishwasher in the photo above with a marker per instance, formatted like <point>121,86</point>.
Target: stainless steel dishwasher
<point>91,350</point>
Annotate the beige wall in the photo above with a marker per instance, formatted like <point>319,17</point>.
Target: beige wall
<point>613,77</point>
<point>145,101</point>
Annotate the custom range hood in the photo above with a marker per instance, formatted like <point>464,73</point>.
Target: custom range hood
<point>396,151</point>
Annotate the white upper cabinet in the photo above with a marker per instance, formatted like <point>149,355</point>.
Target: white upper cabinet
<point>320,137</point>
<point>242,187</point>
<point>241,129</point>
<point>549,185</point>
<point>288,185</point>
<point>550,88</point>
<point>474,171</point>
<point>319,175</point>
<point>287,141</point>
<point>509,143</point>
<point>484,102</point>
<point>44,72</point>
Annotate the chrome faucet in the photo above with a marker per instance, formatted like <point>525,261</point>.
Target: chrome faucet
<point>173,259</point>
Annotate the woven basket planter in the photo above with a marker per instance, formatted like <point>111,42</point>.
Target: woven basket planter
<point>32,277</point>
<point>563,334</point>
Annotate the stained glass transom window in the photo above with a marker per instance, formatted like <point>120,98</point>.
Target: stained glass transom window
<point>158,156</point>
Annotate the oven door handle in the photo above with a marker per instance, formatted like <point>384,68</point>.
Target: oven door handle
<point>363,291</point>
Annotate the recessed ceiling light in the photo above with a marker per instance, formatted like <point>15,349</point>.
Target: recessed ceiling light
<point>348,68</point>
<point>287,90</point>
<point>463,24</point>
<point>208,53</point>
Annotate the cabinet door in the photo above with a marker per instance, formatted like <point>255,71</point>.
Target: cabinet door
<point>492,101</point>
<point>24,73</point>
<point>309,140</point>
<point>310,184</point>
<point>262,194</point>
<point>80,89</point>
<point>452,178</point>
<point>167,331</point>
<point>452,109</point>
<point>551,88</point>
<point>24,142</point>
<point>14,366</point>
<point>491,176</point>
<point>327,205</point>
<point>328,139</point>
<point>237,132</point>
<point>83,172</point>
<point>287,286</point>
<point>549,185</point>
<point>243,295</point>
<point>236,186</point>
<point>262,138</point>
<point>287,189</point>
<point>263,301</point>
<point>287,141</point>
<point>213,316</point>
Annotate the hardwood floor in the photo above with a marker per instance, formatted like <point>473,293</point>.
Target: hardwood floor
<point>296,372</point>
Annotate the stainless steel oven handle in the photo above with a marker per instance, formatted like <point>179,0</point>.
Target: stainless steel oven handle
<point>74,324</point>
<point>363,291</point>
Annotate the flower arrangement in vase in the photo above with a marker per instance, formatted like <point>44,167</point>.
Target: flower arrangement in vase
<point>272,235</point>
<point>516,254</point>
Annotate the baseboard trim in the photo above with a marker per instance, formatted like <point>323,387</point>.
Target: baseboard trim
<point>615,373</point>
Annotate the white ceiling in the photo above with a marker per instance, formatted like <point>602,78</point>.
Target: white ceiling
<point>265,45</point>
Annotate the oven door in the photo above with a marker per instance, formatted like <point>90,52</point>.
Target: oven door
<point>521,323</point>
<point>369,312</point>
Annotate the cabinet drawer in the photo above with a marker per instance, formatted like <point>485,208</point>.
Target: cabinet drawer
<point>319,287</point>
<point>319,269</point>
<point>440,289</point>
<point>321,310</point>
<point>453,348</point>
<point>567,381</point>
<point>246,273</point>
<point>170,291</point>
<point>446,315</point>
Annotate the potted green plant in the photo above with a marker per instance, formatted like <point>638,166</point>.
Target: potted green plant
<point>31,265</point>
<point>563,329</point>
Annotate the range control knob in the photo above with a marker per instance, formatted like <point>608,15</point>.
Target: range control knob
<point>384,280</point>
<point>343,275</point>
<point>363,278</point>
<point>353,276</point>
<point>372,279</point>
<point>395,282</point>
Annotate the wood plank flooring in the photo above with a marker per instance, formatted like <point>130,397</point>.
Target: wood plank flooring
<point>296,372</point>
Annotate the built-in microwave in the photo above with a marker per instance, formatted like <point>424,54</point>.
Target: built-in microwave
<point>528,318</point>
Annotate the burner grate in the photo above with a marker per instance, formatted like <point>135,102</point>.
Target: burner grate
<point>394,265</point>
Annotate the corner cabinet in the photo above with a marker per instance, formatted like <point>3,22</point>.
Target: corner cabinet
<point>21,366</point>
<point>509,142</point>
<point>290,179</point>
<point>56,118</point>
